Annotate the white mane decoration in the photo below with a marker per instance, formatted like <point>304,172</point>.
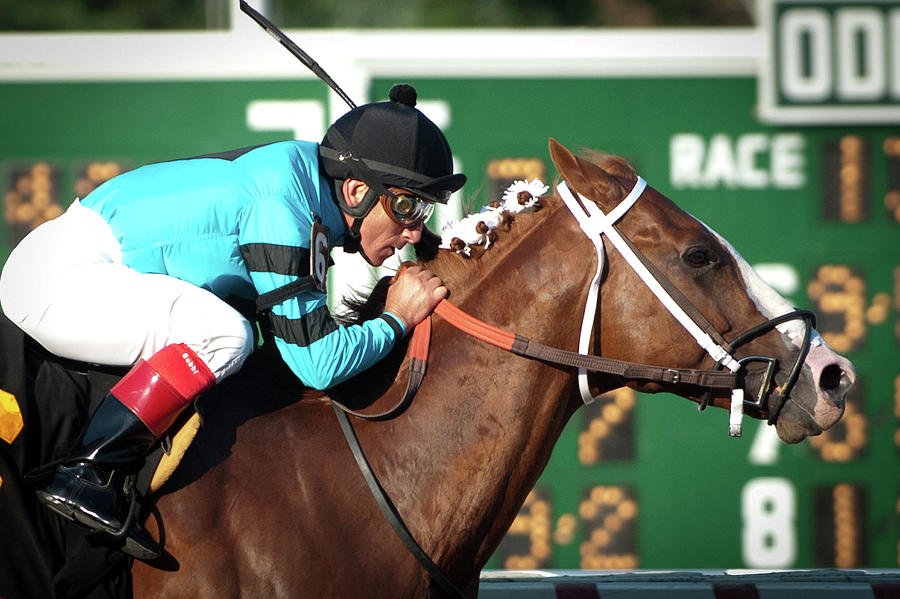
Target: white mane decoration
<point>512,202</point>
<point>477,229</point>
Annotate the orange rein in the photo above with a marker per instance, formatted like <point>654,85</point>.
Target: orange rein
<point>420,344</point>
<point>525,347</point>
<point>471,325</point>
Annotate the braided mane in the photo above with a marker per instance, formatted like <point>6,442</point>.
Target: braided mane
<point>363,306</point>
<point>453,265</point>
<point>505,235</point>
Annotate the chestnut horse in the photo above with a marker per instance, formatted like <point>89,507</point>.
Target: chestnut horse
<point>269,502</point>
<point>284,512</point>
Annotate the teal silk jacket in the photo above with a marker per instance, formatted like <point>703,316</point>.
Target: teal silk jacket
<point>239,223</point>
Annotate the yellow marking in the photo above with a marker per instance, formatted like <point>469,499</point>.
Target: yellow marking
<point>10,417</point>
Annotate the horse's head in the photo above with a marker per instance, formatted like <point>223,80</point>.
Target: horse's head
<point>785,368</point>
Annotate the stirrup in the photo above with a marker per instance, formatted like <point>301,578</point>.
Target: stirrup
<point>146,550</point>
<point>129,491</point>
<point>130,539</point>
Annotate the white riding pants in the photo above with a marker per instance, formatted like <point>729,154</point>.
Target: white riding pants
<point>65,286</point>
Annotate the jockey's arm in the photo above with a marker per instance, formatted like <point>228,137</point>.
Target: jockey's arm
<point>323,354</point>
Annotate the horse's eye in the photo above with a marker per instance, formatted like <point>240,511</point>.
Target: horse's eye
<point>698,257</point>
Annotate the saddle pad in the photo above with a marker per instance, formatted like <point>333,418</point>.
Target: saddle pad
<point>169,461</point>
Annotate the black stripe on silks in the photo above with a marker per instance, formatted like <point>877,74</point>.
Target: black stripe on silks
<point>395,326</point>
<point>286,292</point>
<point>305,330</point>
<point>576,590</point>
<point>735,591</point>
<point>280,259</point>
<point>228,154</point>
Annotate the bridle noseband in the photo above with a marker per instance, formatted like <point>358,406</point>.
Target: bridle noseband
<point>761,404</point>
<point>595,224</point>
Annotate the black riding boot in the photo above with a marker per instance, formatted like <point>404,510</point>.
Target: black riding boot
<point>94,484</point>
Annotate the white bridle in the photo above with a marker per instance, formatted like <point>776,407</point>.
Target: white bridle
<point>595,225</point>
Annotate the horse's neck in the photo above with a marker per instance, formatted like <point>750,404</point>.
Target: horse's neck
<point>500,414</point>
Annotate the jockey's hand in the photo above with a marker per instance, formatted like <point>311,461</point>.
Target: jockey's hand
<point>413,294</point>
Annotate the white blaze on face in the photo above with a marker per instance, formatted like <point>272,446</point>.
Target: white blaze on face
<point>768,301</point>
<point>831,374</point>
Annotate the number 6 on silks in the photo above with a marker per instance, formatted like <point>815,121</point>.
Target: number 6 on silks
<point>319,250</point>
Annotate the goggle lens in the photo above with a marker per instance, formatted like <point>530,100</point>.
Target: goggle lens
<point>408,210</point>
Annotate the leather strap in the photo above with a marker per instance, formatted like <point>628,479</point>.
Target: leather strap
<point>517,344</point>
<point>523,346</point>
<point>285,292</point>
<point>418,364</point>
<point>419,346</point>
<point>630,370</point>
<point>390,511</point>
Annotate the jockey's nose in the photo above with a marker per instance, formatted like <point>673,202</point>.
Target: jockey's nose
<point>413,234</point>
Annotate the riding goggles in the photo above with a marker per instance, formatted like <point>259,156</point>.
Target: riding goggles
<point>406,209</point>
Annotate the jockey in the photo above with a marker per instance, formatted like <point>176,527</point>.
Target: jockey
<point>135,274</point>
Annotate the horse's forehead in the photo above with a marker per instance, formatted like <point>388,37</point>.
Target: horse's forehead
<point>671,217</point>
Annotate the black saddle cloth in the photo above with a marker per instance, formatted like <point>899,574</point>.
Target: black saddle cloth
<point>42,555</point>
<point>45,556</point>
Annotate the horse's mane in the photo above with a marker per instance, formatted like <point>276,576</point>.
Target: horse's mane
<point>612,164</point>
<point>360,306</point>
<point>453,266</point>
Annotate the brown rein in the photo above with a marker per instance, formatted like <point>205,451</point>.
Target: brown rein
<point>523,346</point>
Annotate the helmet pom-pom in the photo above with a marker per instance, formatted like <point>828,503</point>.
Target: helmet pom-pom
<point>403,93</point>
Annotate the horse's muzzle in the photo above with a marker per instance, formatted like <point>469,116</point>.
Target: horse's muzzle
<point>761,402</point>
<point>760,405</point>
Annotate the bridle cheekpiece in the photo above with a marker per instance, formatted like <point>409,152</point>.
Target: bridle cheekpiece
<point>595,224</point>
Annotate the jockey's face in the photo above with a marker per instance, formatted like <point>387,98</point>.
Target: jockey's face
<point>380,235</point>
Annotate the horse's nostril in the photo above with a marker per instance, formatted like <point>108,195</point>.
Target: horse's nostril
<point>830,378</point>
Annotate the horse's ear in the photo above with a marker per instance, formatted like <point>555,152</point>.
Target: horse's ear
<point>561,156</point>
<point>583,176</point>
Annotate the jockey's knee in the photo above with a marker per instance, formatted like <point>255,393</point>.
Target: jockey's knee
<point>218,333</point>
<point>239,340</point>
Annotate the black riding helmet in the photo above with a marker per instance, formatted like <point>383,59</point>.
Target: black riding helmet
<point>389,144</point>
